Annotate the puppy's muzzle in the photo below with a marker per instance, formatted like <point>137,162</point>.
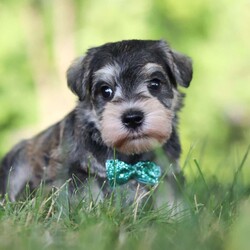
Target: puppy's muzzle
<point>136,127</point>
<point>132,119</point>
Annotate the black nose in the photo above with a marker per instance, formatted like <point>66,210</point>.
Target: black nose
<point>133,118</point>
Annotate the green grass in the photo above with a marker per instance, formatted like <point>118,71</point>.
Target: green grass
<point>216,217</point>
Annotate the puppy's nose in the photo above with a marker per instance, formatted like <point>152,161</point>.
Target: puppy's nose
<point>133,118</point>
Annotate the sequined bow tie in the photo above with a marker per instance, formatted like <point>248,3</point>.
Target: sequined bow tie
<point>119,172</point>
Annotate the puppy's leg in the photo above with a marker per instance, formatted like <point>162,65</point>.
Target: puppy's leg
<point>15,172</point>
<point>170,190</point>
<point>19,175</point>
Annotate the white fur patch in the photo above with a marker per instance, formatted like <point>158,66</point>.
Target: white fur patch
<point>150,68</point>
<point>108,73</point>
<point>18,177</point>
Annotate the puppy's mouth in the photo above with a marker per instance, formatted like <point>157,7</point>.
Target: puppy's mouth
<point>139,143</point>
<point>153,135</point>
<point>137,137</point>
<point>123,140</point>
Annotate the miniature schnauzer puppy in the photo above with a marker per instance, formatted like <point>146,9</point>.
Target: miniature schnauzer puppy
<point>128,104</point>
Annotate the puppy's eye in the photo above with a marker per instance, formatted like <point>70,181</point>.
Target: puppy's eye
<point>154,84</point>
<point>107,92</point>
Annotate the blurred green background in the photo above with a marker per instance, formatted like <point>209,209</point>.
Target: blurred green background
<point>40,38</point>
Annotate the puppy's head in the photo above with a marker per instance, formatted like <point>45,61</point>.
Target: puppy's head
<point>132,88</point>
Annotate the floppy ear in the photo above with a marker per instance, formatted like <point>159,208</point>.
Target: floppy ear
<point>179,64</point>
<point>76,78</point>
<point>182,69</point>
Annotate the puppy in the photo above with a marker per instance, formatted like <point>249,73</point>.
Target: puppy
<point>128,104</point>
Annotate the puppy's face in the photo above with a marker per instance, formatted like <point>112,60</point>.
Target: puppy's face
<point>132,86</point>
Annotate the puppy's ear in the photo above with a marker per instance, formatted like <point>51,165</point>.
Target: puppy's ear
<point>180,65</point>
<point>76,78</point>
<point>182,69</point>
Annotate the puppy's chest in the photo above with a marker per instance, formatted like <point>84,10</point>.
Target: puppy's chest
<point>93,175</point>
<point>130,193</point>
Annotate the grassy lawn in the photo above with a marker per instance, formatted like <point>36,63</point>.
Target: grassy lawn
<point>216,217</point>
<point>39,39</point>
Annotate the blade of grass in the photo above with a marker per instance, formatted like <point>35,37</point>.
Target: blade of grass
<point>202,176</point>
<point>238,171</point>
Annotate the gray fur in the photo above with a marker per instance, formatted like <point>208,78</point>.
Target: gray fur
<point>74,146</point>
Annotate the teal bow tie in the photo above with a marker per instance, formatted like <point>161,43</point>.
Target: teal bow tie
<point>119,172</point>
